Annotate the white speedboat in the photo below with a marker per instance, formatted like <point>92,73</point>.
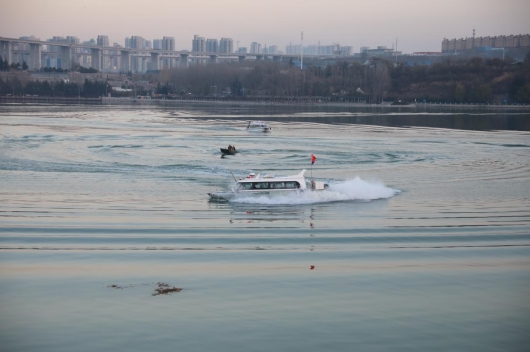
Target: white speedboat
<point>269,184</point>
<point>258,126</point>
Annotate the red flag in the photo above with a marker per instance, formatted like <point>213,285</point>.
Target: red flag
<point>313,159</point>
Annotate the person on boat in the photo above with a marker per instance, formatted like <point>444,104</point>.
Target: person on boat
<point>230,148</point>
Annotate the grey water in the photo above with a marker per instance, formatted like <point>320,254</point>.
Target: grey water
<point>421,243</point>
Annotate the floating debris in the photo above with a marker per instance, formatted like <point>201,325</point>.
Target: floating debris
<point>164,289</point>
<point>119,287</point>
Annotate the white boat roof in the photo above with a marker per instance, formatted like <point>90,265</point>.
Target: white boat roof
<point>269,177</point>
<point>260,123</point>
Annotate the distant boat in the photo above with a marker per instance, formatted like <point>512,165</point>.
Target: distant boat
<point>258,126</point>
<point>229,151</point>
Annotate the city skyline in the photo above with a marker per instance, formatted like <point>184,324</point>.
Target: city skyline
<point>416,25</point>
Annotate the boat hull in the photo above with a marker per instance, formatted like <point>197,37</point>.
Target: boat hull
<point>227,196</point>
<point>230,152</point>
<point>260,130</point>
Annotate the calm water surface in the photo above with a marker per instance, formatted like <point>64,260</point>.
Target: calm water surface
<point>422,242</point>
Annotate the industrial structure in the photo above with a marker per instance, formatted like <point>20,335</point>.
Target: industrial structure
<point>497,42</point>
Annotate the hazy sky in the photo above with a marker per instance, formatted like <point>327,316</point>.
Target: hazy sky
<point>418,25</point>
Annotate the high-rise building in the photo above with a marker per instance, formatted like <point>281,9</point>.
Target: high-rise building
<point>168,43</point>
<point>311,50</point>
<point>346,50</point>
<point>29,37</point>
<point>157,44</point>
<point>53,52</point>
<point>23,54</point>
<point>103,40</point>
<point>72,40</point>
<point>198,44</point>
<point>105,64</point>
<point>137,63</point>
<point>273,49</point>
<point>63,40</point>
<point>137,42</point>
<point>327,49</point>
<point>226,45</point>
<point>212,45</point>
<point>83,59</point>
<point>502,41</point>
<point>292,49</point>
<point>255,48</point>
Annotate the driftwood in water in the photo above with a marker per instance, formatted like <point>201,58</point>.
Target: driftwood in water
<point>164,289</point>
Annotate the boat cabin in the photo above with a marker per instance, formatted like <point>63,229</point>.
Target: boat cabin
<point>256,183</point>
<point>267,184</point>
<point>258,126</point>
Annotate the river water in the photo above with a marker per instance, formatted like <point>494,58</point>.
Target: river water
<point>421,243</point>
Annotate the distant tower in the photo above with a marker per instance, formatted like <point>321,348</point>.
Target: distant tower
<point>473,37</point>
<point>168,43</point>
<point>198,44</point>
<point>255,48</point>
<point>302,51</point>
<point>212,45</point>
<point>226,45</point>
<point>103,40</point>
<point>396,49</point>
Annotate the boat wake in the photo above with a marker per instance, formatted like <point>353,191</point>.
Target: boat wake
<point>355,189</point>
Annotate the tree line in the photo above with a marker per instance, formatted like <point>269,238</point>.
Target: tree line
<point>453,80</point>
<point>6,66</point>
<point>22,86</point>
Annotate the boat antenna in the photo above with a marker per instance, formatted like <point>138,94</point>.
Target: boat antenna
<point>235,179</point>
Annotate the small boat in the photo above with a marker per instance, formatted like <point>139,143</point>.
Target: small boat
<point>269,184</point>
<point>229,151</point>
<point>258,126</point>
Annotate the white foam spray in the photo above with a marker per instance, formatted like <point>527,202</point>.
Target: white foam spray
<point>349,190</point>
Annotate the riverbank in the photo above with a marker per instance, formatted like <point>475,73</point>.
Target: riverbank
<point>290,103</point>
<point>245,103</point>
<point>47,100</point>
